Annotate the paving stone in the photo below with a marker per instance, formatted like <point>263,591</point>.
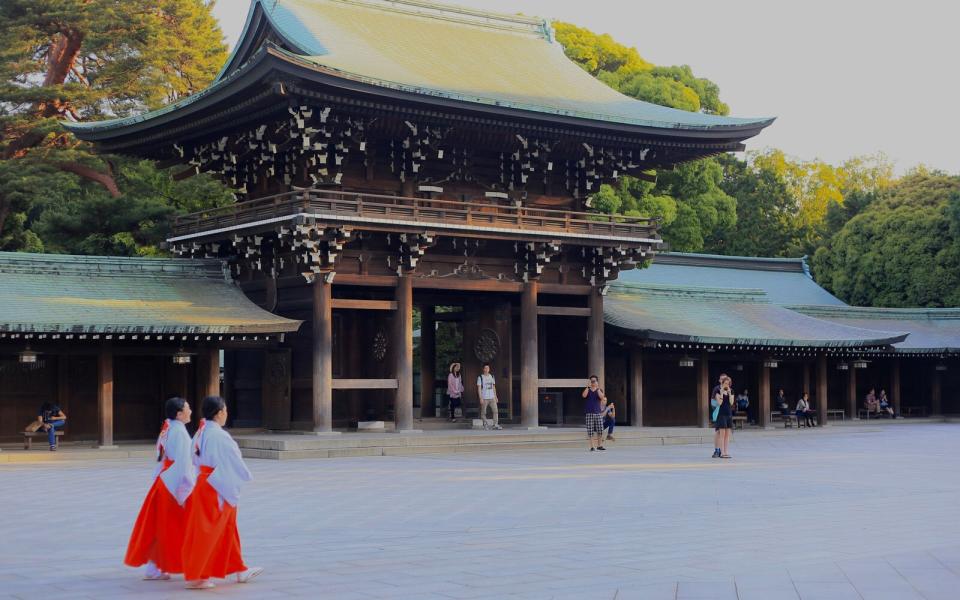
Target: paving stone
<point>653,522</point>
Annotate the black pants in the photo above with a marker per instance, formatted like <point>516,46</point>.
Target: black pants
<point>454,404</point>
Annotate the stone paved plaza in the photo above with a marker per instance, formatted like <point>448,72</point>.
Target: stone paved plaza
<point>860,513</point>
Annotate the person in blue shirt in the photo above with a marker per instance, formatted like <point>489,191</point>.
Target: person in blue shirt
<point>52,417</point>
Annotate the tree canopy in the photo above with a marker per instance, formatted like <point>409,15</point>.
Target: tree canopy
<point>81,60</point>
<point>902,249</point>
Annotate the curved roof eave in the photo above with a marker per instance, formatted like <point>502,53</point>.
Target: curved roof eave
<point>272,57</point>
<point>665,336</point>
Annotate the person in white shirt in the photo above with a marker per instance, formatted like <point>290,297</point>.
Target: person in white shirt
<point>803,410</point>
<point>157,537</point>
<point>487,391</point>
<point>211,546</point>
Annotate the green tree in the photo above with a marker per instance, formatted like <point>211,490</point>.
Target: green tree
<point>766,216</point>
<point>84,60</point>
<point>902,249</point>
<point>623,69</point>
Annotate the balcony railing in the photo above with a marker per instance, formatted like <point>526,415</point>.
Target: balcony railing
<point>384,210</point>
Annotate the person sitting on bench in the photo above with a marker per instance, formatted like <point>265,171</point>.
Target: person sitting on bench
<point>885,407</point>
<point>871,404</point>
<point>803,410</point>
<point>782,403</point>
<point>52,417</point>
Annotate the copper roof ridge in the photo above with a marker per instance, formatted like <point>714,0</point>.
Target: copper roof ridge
<point>879,312</point>
<point>461,14</point>
<point>752,295</point>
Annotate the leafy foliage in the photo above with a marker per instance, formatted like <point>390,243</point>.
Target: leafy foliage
<point>902,249</point>
<point>82,60</point>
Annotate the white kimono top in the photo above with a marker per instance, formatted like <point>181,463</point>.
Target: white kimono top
<point>219,452</point>
<point>174,444</point>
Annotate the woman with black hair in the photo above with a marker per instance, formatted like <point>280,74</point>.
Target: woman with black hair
<point>157,538</point>
<point>211,546</point>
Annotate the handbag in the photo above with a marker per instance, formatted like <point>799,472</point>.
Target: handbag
<point>33,426</point>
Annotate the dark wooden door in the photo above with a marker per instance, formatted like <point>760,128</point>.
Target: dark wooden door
<point>487,337</point>
<point>276,389</point>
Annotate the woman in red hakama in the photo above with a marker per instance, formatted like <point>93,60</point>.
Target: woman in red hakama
<point>211,547</point>
<point>157,538</point>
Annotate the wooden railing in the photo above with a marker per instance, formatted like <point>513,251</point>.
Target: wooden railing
<point>401,210</point>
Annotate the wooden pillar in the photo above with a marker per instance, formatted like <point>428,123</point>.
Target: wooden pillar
<point>822,400</point>
<point>595,359</point>
<point>529,356</point>
<point>936,394</point>
<point>636,388</point>
<point>852,392</point>
<point>428,362</point>
<point>763,385</point>
<point>105,398</point>
<point>805,387</point>
<point>703,391</point>
<point>322,356</point>
<point>209,373</point>
<point>63,383</point>
<point>895,385</point>
<point>403,354</point>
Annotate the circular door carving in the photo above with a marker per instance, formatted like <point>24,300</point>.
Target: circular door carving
<point>380,345</point>
<point>487,345</point>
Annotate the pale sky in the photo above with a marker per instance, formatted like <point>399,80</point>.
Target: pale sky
<point>843,77</point>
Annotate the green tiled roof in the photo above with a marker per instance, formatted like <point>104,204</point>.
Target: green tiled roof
<point>446,52</point>
<point>931,329</point>
<point>784,280</point>
<point>727,316</point>
<point>44,293</point>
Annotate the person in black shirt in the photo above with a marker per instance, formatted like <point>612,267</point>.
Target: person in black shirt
<point>724,420</point>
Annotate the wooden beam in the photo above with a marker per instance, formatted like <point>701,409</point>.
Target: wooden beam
<point>823,403</point>
<point>364,384</point>
<point>895,385</point>
<point>428,361</point>
<point>595,359</point>
<point>322,356</point>
<point>209,372</point>
<point>468,285</point>
<point>529,356</point>
<point>566,290</point>
<point>403,354</point>
<point>578,382</point>
<point>387,281</point>
<point>936,394</point>
<point>105,398</point>
<point>564,311</point>
<point>350,304</point>
<point>636,388</point>
<point>703,390</point>
<point>852,392</point>
<point>763,383</point>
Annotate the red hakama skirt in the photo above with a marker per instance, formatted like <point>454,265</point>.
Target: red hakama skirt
<point>211,546</point>
<point>158,533</point>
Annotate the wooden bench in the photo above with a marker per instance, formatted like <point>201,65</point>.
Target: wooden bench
<point>836,412</point>
<point>29,435</point>
<point>739,421</point>
<point>789,419</point>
